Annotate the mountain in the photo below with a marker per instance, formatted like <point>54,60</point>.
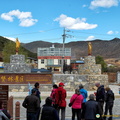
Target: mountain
<point>105,48</point>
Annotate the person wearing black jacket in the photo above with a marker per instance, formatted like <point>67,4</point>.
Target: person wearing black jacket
<point>109,103</point>
<point>100,95</point>
<point>91,109</point>
<point>48,112</point>
<point>32,104</point>
<point>37,86</point>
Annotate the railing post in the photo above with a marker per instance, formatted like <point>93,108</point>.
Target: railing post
<point>17,110</point>
<point>10,106</point>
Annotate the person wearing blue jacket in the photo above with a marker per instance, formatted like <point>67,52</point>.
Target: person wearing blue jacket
<point>83,92</point>
<point>85,95</point>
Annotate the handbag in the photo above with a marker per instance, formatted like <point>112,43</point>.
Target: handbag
<point>71,103</point>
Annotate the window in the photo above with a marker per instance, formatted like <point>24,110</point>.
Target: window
<point>42,61</point>
<point>50,62</point>
<point>59,62</point>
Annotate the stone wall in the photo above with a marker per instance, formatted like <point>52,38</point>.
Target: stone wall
<point>89,67</point>
<point>71,81</point>
<point>89,74</point>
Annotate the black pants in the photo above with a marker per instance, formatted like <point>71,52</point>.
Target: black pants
<point>76,112</point>
<point>101,104</point>
<point>82,111</point>
<point>108,106</point>
<point>62,112</point>
<point>31,116</point>
<point>37,114</point>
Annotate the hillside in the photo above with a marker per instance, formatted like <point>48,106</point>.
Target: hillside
<point>107,49</point>
<point>4,40</point>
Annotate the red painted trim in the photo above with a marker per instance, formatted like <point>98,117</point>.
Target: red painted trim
<point>53,57</point>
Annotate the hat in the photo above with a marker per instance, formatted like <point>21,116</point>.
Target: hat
<point>61,84</point>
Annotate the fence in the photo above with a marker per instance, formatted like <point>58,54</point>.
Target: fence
<point>10,108</point>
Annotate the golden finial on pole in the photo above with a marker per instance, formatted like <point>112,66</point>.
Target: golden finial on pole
<point>17,46</point>
<point>89,48</point>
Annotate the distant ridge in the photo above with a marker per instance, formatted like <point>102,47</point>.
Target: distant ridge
<point>105,48</point>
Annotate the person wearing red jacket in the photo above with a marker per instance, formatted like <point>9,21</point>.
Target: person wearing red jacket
<point>53,95</point>
<point>60,100</point>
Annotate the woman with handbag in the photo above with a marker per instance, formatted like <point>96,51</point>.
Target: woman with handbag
<point>76,104</point>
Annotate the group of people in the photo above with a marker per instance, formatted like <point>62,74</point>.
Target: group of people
<point>91,109</point>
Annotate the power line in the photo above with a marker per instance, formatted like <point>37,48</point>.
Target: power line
<point>91,33</point>
<point>31,32</point>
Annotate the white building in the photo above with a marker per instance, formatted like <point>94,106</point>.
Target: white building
<point>51,58</point>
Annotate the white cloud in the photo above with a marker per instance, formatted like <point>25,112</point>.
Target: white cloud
<point>72,23</point>
<point>103,3</point>
<point>25,18</point>
<point>110,32</point>
<point>7,17</point>
<point>27,22</point>
<point>90,38</point>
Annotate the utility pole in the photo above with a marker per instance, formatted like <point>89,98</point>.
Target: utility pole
<point>63,50</point>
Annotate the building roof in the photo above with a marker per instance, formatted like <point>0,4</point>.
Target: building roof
<point>40,70</point>
<point>53,65</point>
<point>77,61</point>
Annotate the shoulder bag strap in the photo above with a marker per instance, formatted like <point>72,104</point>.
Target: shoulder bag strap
<point>74,99</point>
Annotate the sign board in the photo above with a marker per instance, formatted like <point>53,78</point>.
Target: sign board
<point>25,78</point>
<point>4,94</point>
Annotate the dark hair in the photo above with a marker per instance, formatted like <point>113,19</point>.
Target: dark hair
<point>36,84</point>
<point>77,91</point>
<point>107,89</point>
<point>55,86</point>
<point>80,86</point>
<point>48,101</point>
<point>33,90</point>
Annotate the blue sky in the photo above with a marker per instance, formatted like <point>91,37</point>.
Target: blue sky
<point>83,20</point>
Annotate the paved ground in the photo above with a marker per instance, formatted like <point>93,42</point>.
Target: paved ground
<point>116,109</point>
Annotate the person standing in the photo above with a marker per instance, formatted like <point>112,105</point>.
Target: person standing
<point>91,109</point>
<point>37,86</point>
<point>100,95</point>
<point>76,101</point>
<point>109,102</point>
<point>60,100</point>
<point>48,112</point>
<point>53,95</point>
<point>32,104</point>
<point>84,93</point>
